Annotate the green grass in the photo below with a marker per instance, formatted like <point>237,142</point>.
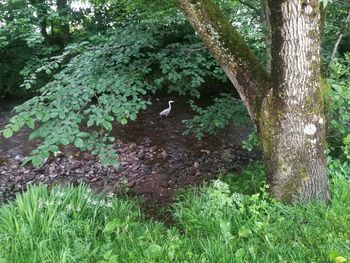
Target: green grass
<point>212,224</point>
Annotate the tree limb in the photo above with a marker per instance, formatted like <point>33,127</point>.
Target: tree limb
<point>256,10</point>
<point>227,46</point>
<point>341,34</point>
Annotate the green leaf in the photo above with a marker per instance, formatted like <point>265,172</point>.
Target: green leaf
<point>244,231</point>
<point>79,142</point>
<point>15,127</point>
<point>37,160</point>
<point>115,109</point>
<point>54,148</point>
<point>133,116</point>
<point>86,96</point>
<point>82,134</point>
<point>112,225</point>
<point>153,250</point>
<point>124,121</point>
<point>107,125</point>
<point>30,123</point>
<point>44,154</point>
<point>90,122</point>
<point>239,255</point>
<point>332,255</point>
<point>225,227</point>
<point>39,115</point>
<point>7,133</point>
<point>64,141</point>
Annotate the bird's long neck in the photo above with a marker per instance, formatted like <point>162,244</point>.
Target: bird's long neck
<point>169,105</point>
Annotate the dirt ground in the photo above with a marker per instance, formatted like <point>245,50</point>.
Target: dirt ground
<point>155,158</point>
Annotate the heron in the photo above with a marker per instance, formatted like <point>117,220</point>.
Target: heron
<point>167,110</point>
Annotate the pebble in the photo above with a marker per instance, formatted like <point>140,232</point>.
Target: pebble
<point>196,165</point>
<point>198,173</point>
<point>138,163</point>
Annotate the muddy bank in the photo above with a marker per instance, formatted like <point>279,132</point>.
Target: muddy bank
<point>155,158</point>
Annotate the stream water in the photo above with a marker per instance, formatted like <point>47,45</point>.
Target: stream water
<point>155,157</point>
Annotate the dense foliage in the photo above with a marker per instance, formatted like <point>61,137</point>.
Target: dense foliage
<point>211,224</point>
<point>103,68</point>
<point>226,109</point>
<point>108,79</point>
<point>87,68</point>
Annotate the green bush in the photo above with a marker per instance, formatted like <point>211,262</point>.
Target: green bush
<point>209,121</point>
<point>337,99</point>
<point>212,224</point>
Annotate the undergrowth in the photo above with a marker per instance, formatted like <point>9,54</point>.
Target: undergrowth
<point>213,223</point>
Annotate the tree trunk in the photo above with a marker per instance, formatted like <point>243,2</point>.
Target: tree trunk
<point>63,11</point>
<point>286,108</point>
<point>292,125</point>
<point>42,16</point>
<point>267,26</point>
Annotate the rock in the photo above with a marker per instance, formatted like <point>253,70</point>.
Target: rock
<point>77,155</point>
<point>135,168</point>
<point>196,165</point>
<point>87,156</point>
<point>58,154</point>
<point>171,183</point>
<point>132,146</point>
<point>74,165</point>
<point>198,173</point>
<point>53,175</point>
<point>121,150</point>
<point>18,158</point>
<point>164,154</point>
<point>131,183</point>
<point>18,178</point>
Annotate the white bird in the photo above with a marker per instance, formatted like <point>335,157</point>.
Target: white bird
<point>167,110</point>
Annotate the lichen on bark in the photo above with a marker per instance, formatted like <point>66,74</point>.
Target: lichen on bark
<point>281,105</point>
<point>228,47</point>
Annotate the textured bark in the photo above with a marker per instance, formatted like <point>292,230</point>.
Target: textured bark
<point>292,125</point>
<point>227,46</point>
<point>267,25</point>
<point>288,108</point>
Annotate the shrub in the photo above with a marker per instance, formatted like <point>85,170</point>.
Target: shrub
<point>211,224</point>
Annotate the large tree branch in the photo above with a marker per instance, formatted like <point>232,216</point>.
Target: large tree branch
<point>227,46</point>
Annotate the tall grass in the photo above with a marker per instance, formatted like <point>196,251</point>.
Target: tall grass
<point>71,224</point>
<point>212,224</point>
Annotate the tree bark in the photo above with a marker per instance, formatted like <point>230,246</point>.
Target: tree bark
<point>286,108</point>
<point>63,11</point>
<point>226,45</point>
<point>267,26</point>
<point>292,125</point>
<point>42,16</point>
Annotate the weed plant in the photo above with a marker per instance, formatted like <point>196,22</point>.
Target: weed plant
<point>213,223</point>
